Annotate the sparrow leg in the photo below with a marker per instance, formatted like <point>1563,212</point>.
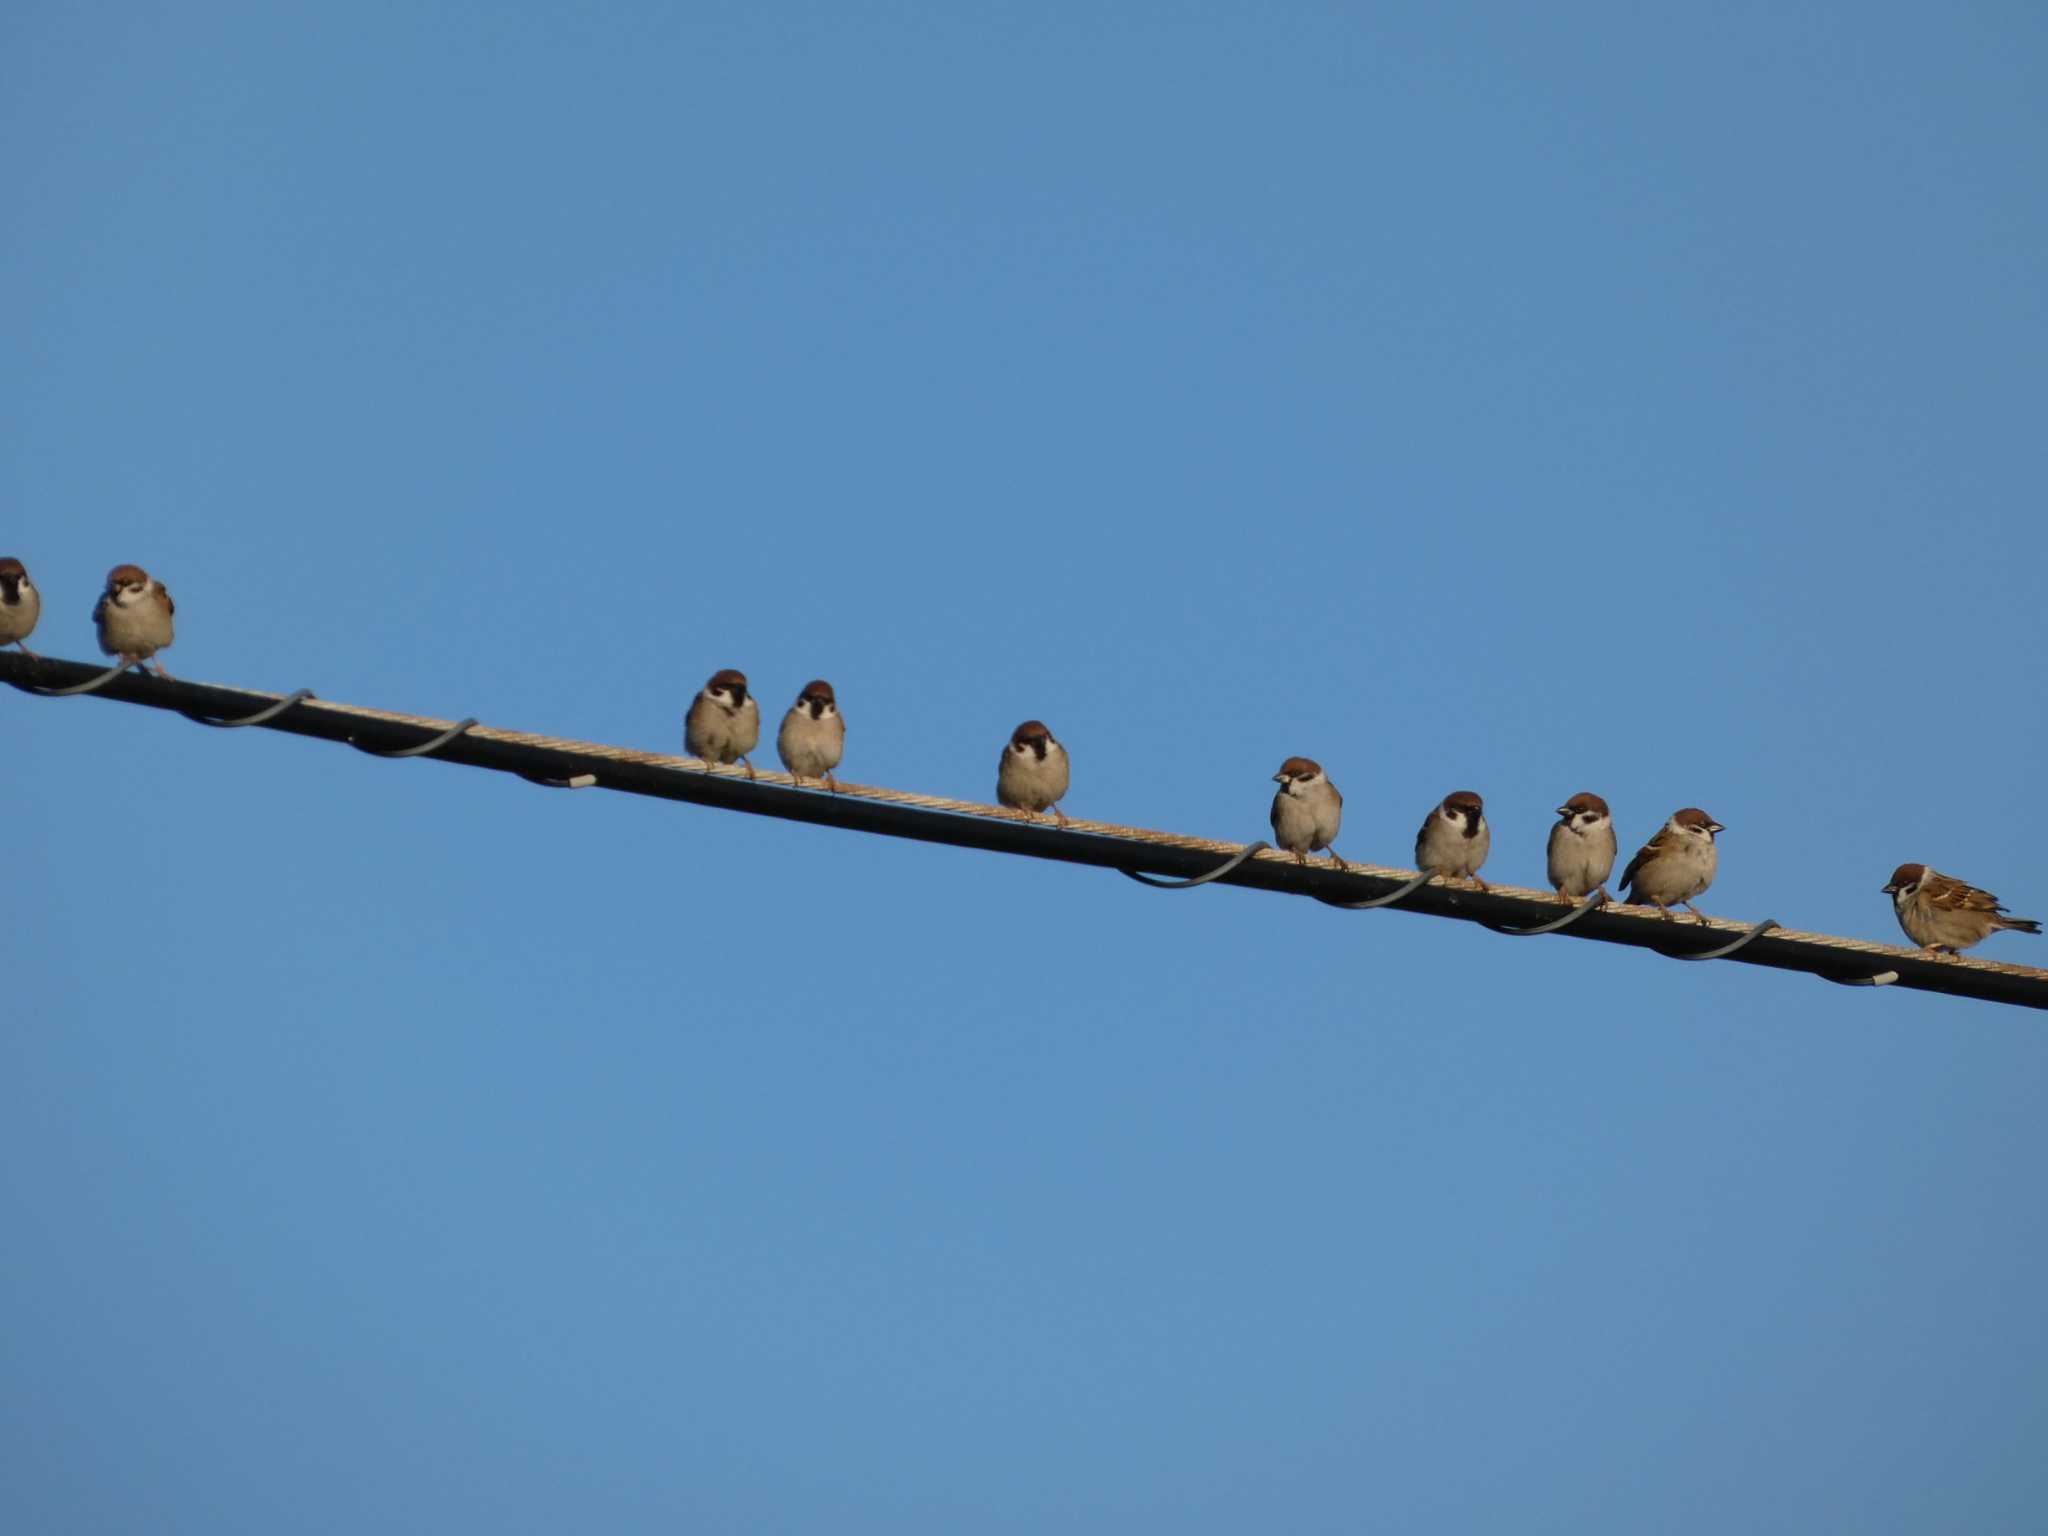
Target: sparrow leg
<point>750,764</point>
<point>1697,915</point>
<point>1059,815</point>
<point>1334,859</point>
<point>1604,896</point>
<point>830,782</point>
<point>1479,884</point>
<point>1663,911</point>
<point>160,672</point>
<point>31,655</point>
<point>1300,857</point>
<point>1566,900</point>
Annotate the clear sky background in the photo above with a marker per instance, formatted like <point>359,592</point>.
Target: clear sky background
<point>1523,398</point>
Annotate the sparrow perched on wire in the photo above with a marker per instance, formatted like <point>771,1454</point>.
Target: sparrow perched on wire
<point>813,735</point>
<point>1941,913</point>
<point>1676,865</point>
<point>1032,776</point>
<point>1581,848</point>
<point>724,722</point>
<point>20,605</point>
<point>1307,811</point>
<point>134,617</point>
<point>1454,838</point>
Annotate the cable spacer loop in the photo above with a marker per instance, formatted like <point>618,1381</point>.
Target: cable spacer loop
<point>433,745</point>
<point>1558,925</point>
<point>1726,950</point>
<point>261,717</point>
<point>1380,901</point>
<point>579,781</point>
<point>1185,885</point>
<point>91,685</point>
<point>1881,979</point>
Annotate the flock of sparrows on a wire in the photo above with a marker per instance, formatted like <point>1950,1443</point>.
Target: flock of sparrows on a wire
<point>134,613</point>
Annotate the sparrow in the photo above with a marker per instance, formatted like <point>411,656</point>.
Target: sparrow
<point>724,722</point>
<point>1581,848</point>
<point>1307,811</point>
<point>20,605</point>
<point>1675,865</point>
<point>1032,775</point>
<point>134,617</point>
<point>1454,839</point>
<point>813,735</point>
<point>1941,913</point>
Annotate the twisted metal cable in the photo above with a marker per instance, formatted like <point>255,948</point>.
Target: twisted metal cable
<point>1592,903</point>
<point>559,762</point>
<point>423,749</point>
<point>1387,900</point>
<point>90,685</point>
<point>1249,850</point>
<point>1726,950</point>
<point>260,717</point>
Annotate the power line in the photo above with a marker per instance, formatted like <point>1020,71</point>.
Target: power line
<point>1156,858</point>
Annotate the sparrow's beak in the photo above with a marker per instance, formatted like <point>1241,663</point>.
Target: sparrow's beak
<point>1279,778</point>
<point>1889,890</point>
<point>1564,810</point>
<point>1715,826</point>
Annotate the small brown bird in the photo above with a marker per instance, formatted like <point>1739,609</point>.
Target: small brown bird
<point>1454,839</point>
<point>20,605</point>
<point>1676,865</point>
<point>133,617</point>
<point>1581,852</point>
<point>813,735</point>
<point>724,722</point>
<point>1032,775</point>
<point>1307,811</point>
<point>1941,913</point>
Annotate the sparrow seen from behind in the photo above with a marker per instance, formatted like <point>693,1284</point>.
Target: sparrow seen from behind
<point>1581,848</point>
<point>1307,811</point>
<point>724,722</point>
<point>813,735</point>
<point>1942,914</point>
<point>1033,774</point>
<point>133,617</point>
<point>1454,839</point>
<point>1676,865</point>
<point>20,605</point>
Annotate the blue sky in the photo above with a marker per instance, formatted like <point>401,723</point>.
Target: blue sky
<point>1526,399</point>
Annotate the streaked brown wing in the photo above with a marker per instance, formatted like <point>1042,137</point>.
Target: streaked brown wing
<point>1643,856</point>
<point>1953,895</point>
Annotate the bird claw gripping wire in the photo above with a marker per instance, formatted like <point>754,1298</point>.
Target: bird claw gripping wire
<point>1557,925</point>
<point>434,744</point>
<point>261,717</point>
<point>1217,873</point>
<point>90,685</point>
<point>1380,901</point>
<point>1726,950</point>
